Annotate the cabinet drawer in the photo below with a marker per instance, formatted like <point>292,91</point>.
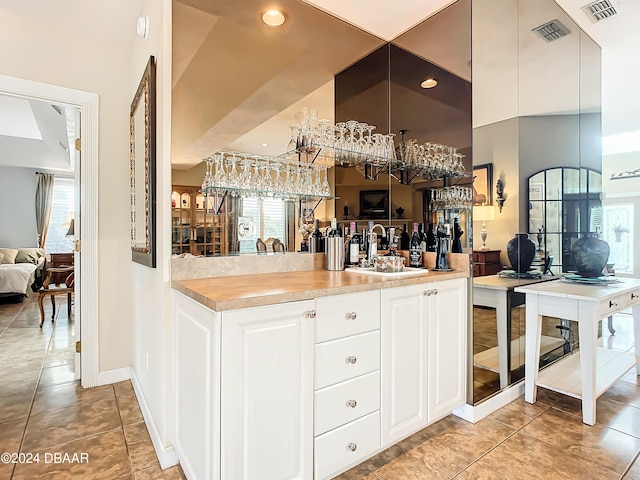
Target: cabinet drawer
<point>343,315</point>
<point>346,446</point>
<point>615,304</point>
<point>347,358</point>
<point>344,402</point>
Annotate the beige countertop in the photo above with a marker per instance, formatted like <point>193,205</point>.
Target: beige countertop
<point>242,291</point>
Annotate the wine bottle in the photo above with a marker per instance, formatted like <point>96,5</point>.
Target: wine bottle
<point>333,229</point>
<point>405,240</point>
<point>415,249</point>
<point>355,245</point>
<point>423,237</point>
<point>431,239</point>
<point>317,239</point>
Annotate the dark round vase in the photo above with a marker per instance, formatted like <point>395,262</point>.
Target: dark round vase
<point>521,252</point>
<point>590,255</point>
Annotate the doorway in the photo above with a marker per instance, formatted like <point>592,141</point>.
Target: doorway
<point>86,224</point>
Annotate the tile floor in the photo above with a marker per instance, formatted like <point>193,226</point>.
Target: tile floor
<point>44,410</point>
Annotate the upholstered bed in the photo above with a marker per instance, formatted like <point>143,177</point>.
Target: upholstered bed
<point>21,272</point>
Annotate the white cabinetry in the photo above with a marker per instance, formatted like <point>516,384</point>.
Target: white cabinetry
<point>423,355</point>
<point>347,381</point>
<point>197,383</point>
<point>267,392</point>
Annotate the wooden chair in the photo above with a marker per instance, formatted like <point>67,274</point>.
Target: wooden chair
<point>51,290</point>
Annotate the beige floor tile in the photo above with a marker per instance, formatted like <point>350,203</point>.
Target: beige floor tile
<point>519,413</point>
<point>106,454</point>
<point>623,392</point>
<point>67,394</point>
<point>441,456</point>
<point>57,375</point>
<point>624,418</point>
<point>122,388</point>
<point>18,383</point>
<point>66,356</point>
<point>66,424</point>
<point>6,470</point>
<point>130,412</point>
<point>11,435</point>
<point>597,444</point>
<point>141,451</point>
<point>478,472</point>
<point>634,470</point>
<point>15,406</point>
<point>524,457</point>
<point>156,473</point>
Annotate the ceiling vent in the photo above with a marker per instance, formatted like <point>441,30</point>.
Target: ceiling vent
<point>552,30</point>
<point>601,10</point>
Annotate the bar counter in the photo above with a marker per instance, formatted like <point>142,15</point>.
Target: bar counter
<point>243,291</point>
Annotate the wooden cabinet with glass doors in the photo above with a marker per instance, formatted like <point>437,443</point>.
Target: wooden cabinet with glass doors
<point>196,228</point>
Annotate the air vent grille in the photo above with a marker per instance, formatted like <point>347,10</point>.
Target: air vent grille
<point>552,30</point>
<point>601,10</point>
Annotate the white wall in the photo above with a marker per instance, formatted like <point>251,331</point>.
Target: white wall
<point>17,207</point>
<point>151,288</point>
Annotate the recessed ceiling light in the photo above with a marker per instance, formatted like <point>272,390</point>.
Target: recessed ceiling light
<point>264,144</point>
<point>273,18</point>
<point>429,83</point>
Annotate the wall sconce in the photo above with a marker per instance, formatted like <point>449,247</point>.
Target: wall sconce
<point>500,196</point>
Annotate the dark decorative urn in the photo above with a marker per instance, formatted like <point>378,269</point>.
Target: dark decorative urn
<point>521,252</point>
<point>590,255</point>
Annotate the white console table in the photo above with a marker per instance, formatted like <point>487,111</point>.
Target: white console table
<point>594,370</point>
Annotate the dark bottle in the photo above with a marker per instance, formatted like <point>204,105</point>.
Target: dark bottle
<point>333,230</point>
<point>354,245</point>
<point>317,239</point>
<point>456,246</point>
<point>423,237</point>
<point>444,237</point>
<point>405,239</point>
<point>431,239</point>
<point>415,250</point>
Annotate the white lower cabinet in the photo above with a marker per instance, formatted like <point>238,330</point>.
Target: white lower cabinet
<point>306,390</point>
<point>424,331</point>
<point>267,393</point>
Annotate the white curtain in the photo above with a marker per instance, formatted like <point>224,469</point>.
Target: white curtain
<point>44,196</point>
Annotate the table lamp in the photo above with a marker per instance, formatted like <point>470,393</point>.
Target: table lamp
<point>482,213</point>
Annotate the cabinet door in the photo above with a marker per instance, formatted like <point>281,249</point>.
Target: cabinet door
<point>197,384</point>
<point>404,362</point>
<point>447,347</point>
<point>267,393</point>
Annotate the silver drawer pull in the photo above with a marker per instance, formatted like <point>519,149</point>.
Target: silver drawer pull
<point>351,316</point>
<point>612,304</point>
<point>352,446</point>
<point>310,314</point>
<point>351,359</point>
<point>351,403</point>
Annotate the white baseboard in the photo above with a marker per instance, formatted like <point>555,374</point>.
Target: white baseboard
<point>167,456</point>
<point>475,413</point>
<point>114,376</point>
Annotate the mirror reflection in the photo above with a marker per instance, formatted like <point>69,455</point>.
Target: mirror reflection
<point>537,123</point>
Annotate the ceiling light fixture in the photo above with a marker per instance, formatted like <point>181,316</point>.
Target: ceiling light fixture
<point>264,144</point>
<point>429,83</point>
<point>273,18</point>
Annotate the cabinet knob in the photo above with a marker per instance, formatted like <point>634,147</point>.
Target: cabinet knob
<point>351,403</point>
<point>634,296</point>
<point>427,293</point>
<point>435,291</point>
<point>352,446</point>
<point>351,359</point>
<point>310,314</point>
<point>612,304</point>
<point>351,316</point>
